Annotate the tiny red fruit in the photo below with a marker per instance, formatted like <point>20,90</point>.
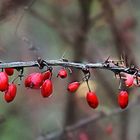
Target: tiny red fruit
<point>47,74</point>
<point>34,80</point>
<point>12,89</point>
<point>123,99</point>
<point>7,97</point>
<point>72,87</point>
<point>83,136</point>
<point>92,99</point>
<point>129,80</point>
<point>3,81</point>
<point>9,71</point>
<point>10,93</point>
<point>109,129</point>
<point>62,73</point>
<point>27,81</point>
<point>47,88</point>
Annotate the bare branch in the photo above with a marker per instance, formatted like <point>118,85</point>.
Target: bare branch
<point>108,65</point>
<point>86,121</point>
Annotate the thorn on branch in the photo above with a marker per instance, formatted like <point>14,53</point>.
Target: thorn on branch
<point>40,63</point>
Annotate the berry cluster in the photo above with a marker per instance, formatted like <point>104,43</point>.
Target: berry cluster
<point>42,81</point>
<point>123,96</point>
<point>9,89</point>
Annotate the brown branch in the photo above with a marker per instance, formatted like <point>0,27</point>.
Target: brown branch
<point>78,46</point>
<point>86,121</point>
<point>123,49</point>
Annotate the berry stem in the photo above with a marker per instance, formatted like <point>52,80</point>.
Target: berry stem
<point>88,86</point>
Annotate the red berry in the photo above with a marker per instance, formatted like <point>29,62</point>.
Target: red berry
<point>7,97</point>
<point>3,81</point>
<point>109,129</point>
<point>62,73</point>
<point>123,99</point>
<point>129,80</point>
<point>27,81</point>
<point>92,99</point>
<point>83,136</point>
<point>12,89</point>
<point>34,80</point>
<point>47,74</point>
<point>72,87</point>
<point>9,71</point>
<point>47,88</point>
<point>10,93</point>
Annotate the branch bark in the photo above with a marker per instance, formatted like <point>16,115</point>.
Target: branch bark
<point>107,65</point>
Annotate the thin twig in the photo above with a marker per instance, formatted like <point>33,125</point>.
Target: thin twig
<point>53,24</point>
<point>82,66</point>
<point>26,8</point>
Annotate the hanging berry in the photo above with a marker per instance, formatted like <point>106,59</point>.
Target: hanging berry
<point>72,87</point>
<point>27,81</point>
<point>47,75</point>
<point>62,73</point>
<point>92,99</point>
<point>3,81</point>
<point>109,129</point>
<point>34,80</point>
<point>10,93</point>
<point>129,80</point>
<point>47,88</point>
<point>9,71</point>
<point>83,136</point>
<point>123,99</point>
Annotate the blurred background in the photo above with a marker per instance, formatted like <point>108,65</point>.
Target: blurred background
<point>85,31</point>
